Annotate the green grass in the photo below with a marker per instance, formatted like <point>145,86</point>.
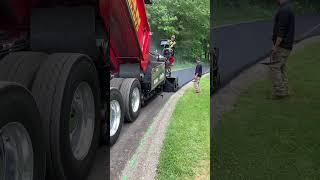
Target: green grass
<point>186,150</point>
<point>274,139</point>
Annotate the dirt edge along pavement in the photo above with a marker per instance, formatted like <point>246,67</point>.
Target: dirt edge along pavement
<point>143,164</point>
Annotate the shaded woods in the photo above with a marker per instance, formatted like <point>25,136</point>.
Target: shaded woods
<point>188,20</point>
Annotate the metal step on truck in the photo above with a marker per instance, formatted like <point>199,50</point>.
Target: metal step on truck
<point>71,72</point>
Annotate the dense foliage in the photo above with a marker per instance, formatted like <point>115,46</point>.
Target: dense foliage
<point>187,19</point>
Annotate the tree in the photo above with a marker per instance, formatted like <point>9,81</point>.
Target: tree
<point>187,19</point>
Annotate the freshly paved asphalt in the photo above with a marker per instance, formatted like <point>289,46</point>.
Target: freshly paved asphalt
<point>242,45</point>
<point>186,75</point>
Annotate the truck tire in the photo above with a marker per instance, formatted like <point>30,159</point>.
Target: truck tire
<point>131,94</point>
<point>67,93</point>
<point>20,131</point>
<point>21,67</point>
<point>116,115</point>
<point>116,82</point>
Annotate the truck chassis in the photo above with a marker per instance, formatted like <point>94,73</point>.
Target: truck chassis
<point>71,84</point>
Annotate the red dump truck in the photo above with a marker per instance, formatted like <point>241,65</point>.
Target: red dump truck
<point>61,62</point>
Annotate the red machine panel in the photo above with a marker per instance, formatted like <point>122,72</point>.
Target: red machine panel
<point>126,22</point>
<point>129,32</point>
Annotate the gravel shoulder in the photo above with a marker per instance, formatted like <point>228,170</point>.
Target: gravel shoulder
<point>131,135</point>
<point>143,163</point>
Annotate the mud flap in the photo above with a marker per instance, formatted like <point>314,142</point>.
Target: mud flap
<point>171,84</point>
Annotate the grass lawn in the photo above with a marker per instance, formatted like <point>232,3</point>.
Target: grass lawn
<point>186,150</point>
<point>274,139</point>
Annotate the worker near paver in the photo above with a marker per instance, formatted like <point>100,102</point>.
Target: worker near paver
<point>172,42</point>
<point>172,46</point>
<point>283,38</point>
<point>197,75</point>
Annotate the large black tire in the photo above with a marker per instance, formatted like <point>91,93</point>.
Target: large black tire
<point>53,89</point>
<point>116,82</point>
<point>127,87</point>
<point>21,67</point>
<point>115,95</point>
<point>18,106</point>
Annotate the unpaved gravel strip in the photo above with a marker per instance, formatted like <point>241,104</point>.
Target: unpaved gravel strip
<point>143,164</point>
<point>132,133</point>
<point>226,97</point>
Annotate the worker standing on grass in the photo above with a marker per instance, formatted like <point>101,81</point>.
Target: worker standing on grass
<point>197,75</point>
<point>283,38</point>
<point>172,42</point>
<point>172,46</point>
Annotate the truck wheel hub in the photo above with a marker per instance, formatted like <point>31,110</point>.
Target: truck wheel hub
<point>16,152</point>
<point>81,121</point>
<point>135,99</point>
<point>115,116</point>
